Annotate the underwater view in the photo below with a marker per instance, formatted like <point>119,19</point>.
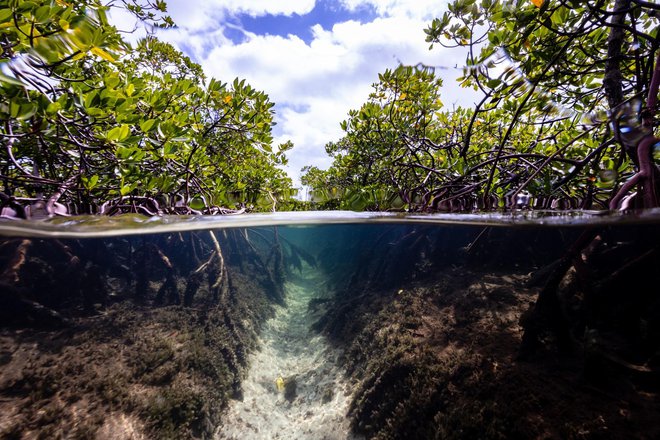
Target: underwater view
<point>333,325</point>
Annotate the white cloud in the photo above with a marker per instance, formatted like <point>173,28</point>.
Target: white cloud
<point>421,9</point>
<point>310,130</point>
<point>262,7</point>
<point>197,14</point>
<point>313,84</point>
<point>201,16</point>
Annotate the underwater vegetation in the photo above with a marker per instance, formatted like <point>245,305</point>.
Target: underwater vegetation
<point>445,331</point>
<point>450,335</point>
<point>129,337</point>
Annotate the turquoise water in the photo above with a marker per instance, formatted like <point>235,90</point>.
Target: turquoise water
<point>242,315</point>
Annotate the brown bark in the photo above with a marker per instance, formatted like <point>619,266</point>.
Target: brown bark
<point>613,80</point>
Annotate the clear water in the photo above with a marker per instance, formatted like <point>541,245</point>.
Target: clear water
<point>290,350</point>
<point>78,273</point>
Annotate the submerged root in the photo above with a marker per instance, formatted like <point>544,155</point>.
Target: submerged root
<point>547,312</point>
<point>217,279</point>
<point>16,310</point>
<point>11,272</point>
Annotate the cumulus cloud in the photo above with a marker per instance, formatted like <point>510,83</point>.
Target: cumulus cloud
<point>200,14</point>
<point>421,9</point>
<point>314,82</point>
<point>310,130</point>
<point>261,7</point>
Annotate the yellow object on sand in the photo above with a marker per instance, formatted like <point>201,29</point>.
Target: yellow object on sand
<point>279,383</point>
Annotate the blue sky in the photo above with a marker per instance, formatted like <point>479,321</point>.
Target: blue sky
<point>324,13</point>
<point>316,59</point>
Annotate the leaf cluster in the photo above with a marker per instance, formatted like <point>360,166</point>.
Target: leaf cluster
<point>92,123</point>
<point>553,74</point>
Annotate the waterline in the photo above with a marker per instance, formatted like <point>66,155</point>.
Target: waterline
<point>131,224</point>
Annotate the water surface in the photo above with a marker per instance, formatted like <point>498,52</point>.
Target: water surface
<point>97,226</point>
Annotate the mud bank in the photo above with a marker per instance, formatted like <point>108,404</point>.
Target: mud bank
<point>438,350</point>
<point>146,339</point>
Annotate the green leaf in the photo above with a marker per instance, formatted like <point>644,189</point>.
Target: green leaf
<point>118,133</point>
<point>14,109</point>
<point>96,112</point>
<point>169,149</point>
<point>27,6</point>
<point>111,81</point>
<point>5,14</point>
<point>90,182</point>
<point>126,189</point>
<point>92,99</point>
<point>493,83</point>
<point>124,153</point>
<point>148,125</point>
<point>26,111</point>
<point>53,107</point>
<point>42,14</point>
